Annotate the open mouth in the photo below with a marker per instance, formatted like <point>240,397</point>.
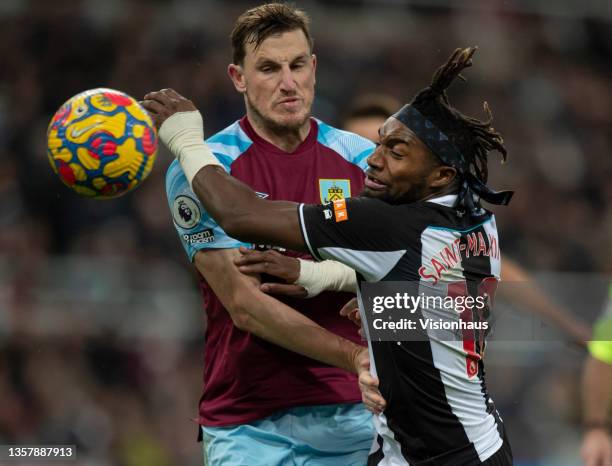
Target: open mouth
<point>374,183</point>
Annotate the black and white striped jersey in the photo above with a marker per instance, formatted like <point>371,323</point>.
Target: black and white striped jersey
<point>438,409</point>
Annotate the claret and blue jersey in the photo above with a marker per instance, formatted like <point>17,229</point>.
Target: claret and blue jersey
<point>262,378</point>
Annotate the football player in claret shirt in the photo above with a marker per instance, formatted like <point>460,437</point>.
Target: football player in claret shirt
<point>423,192</point>
<point>262,404</point>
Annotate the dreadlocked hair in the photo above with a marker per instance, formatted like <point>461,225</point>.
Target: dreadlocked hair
<point>474,138</point>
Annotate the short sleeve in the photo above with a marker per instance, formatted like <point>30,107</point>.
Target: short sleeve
<point>195,227</point>
<point>366,234</point>
<point>350,146</point>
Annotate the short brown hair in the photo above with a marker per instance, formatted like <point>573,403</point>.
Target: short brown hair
<point>257,24</point>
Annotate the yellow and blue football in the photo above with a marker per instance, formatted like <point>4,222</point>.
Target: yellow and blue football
<point>101,143</point>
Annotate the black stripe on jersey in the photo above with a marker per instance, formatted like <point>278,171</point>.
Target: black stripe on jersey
<point>378,455</point>
<point>372,224</point>
<point>426,429</point>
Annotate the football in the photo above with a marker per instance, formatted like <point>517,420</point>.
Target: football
<point>101,143</point>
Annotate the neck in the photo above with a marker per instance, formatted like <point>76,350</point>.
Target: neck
<point>286,139</point>
<point>442,192</point>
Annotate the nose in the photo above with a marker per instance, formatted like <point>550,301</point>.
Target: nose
<point>375,160</point>
<point>287,80</point>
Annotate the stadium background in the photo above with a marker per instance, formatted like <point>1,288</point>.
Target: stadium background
<point>101,328</point>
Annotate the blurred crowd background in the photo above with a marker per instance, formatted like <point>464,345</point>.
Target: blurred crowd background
<point>101,326</point>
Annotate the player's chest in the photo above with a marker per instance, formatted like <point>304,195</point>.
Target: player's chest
<point>313,178</point>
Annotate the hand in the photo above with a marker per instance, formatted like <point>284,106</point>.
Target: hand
<point>272,263</point>
<point>368,385</point>
<point>597,448</point>
<point>351,311</point>
<point>161,105</point>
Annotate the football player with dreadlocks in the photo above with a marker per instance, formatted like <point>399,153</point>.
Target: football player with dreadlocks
<point>423,195</point>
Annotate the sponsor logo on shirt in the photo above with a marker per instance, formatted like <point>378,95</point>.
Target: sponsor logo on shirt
<point>340,213</point>
<point>186,212</point>
<point>332,190</point>
<point>206,236</point>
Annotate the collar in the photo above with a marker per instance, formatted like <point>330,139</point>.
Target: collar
<point>447,200</point>
<point>304,146</point>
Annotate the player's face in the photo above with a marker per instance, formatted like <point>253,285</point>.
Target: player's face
<point>402,168</point>
<point>365,126</point>
<point>278,79</point>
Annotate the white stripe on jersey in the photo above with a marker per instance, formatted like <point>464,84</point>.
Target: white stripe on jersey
<point>491,229</point>
<point>465,398</point>
<point>391,448</point>
<point>305,232</point>
<point>373,265</point>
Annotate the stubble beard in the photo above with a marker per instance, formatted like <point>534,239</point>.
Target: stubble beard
<point>272,125</point>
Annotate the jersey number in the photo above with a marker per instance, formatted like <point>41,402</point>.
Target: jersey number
<point>474,353</point>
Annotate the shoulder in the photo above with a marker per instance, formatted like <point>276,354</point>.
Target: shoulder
<point>229,144</point>
<point>350,146</point>
<point>367,212</point>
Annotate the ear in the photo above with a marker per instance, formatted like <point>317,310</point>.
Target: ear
<point>442,176</point>
<point>314,66</point>
<point>236,74</point>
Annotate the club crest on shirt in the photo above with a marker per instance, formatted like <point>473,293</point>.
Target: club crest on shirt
<point>334,189</point>
<point>186,212</point>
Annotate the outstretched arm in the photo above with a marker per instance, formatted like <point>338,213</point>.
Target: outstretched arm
<point>534,300</point>
<point>257,313</point>
<point>243,215</point>
<point>235,206</point>
<point>303,278</point>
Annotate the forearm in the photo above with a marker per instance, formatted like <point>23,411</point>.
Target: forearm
<point>245,216</point>
<point>279,324</point>
<point>596,392</point>
<point>255,312</point>
<point>532,299</point>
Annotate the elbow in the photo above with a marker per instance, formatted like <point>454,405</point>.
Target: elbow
<point>242,321</point>
<point>240,313</point>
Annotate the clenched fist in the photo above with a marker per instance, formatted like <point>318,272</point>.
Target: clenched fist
<point>165,103</point>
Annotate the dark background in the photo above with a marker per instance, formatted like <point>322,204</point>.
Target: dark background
<point>101,329</point>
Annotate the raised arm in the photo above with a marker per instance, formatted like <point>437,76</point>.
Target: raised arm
<point>533,299</point>
<point>235,206</point>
